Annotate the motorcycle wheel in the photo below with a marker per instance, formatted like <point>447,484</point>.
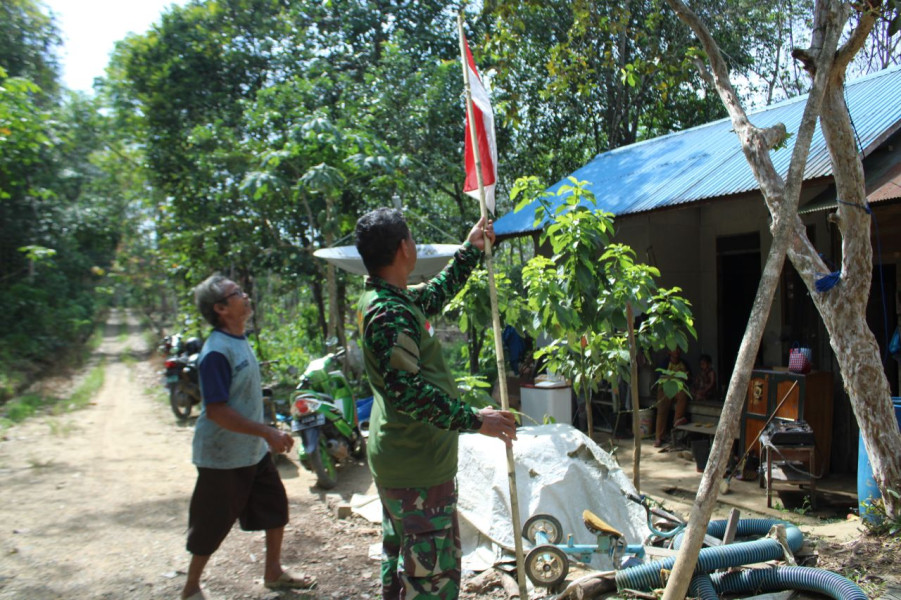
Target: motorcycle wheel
<point>180,403</point>
<point>324,466</point>
<point>359,450</point>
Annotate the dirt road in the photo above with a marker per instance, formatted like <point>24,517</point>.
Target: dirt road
<point>94,502</point>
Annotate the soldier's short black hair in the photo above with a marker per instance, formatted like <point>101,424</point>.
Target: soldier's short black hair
<point>377,236</point>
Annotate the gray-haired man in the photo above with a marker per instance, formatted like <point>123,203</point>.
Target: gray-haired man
<point>236,478</point>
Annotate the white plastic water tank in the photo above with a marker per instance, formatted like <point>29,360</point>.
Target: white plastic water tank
<point>552,399</point>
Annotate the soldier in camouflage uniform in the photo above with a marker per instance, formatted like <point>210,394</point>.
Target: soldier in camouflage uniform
<point>416,415</point>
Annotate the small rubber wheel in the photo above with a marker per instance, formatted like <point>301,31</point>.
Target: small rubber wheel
<point>546,565</point>
<point>546,523</point>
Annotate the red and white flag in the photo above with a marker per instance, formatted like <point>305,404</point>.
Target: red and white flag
<point>484,121</point>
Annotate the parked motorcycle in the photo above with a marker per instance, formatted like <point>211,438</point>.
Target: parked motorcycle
<point>182,376</point>
<point>324,415</point>
<point>276,402</point>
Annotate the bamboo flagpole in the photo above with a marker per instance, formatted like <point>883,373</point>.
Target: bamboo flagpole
<point>496,320</point>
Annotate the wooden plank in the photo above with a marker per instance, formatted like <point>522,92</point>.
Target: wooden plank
<point>731,526</point>
<point>702,428</point>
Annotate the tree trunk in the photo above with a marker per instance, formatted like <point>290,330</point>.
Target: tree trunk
<point>636,405</point>
<point>475,340</point>
<point>340,332</point>
<point>319,299</point>
<point>843,308</point>
<point>331,282</point>
<point>590,586</point>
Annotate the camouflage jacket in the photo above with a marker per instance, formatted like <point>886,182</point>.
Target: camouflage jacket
<point>416,413</point>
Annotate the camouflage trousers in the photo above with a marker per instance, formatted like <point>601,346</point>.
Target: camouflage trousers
<point>420,543</point>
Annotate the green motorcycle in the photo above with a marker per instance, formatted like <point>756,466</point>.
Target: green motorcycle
<point>324,415</point>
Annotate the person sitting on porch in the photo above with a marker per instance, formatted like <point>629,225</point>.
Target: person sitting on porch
<point>664,402</point>
<point>703,387</point>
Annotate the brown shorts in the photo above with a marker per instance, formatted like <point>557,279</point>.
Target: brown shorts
<point>253,495</point>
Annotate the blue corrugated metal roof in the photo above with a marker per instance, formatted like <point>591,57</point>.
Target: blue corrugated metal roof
<point>707,161</point>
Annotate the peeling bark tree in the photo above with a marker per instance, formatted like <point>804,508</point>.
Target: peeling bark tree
<point>842,308</point>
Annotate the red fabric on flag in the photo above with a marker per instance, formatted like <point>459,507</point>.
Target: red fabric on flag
<point>484,121</point>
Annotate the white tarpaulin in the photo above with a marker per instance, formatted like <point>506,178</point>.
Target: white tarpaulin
<point>560,472</point>
<point>430,259</point>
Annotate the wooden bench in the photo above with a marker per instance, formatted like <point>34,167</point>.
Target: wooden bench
<point>705,411</point>
<point>683,435</point>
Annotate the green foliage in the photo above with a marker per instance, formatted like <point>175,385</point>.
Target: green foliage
<point>88,388</point>
<point>58,227</point>
<point>36,254</point>
<point>284,339</point>
<point>21,408</point>
<point>877,522</point>
<point>29,405</point>
<point>805,508</point>
<point>294,132</point>
<point>473,305</point>
<point>574,79</point>
<point>672,382</point>
<point>579,295</point>
<point>28,42</point>
<point>475,391</point>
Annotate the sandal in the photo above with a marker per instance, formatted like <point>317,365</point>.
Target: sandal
<point>287,581</point>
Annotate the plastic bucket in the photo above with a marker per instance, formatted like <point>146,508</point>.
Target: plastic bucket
<point>700,451</point>
<point>364,408</point>
<point>646,422</point>
<point>867,491</point>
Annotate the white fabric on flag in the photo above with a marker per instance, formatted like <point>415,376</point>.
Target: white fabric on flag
<point>484,121</point>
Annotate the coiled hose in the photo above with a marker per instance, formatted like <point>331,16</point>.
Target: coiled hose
<point>752,527</point>
<point>648,576</point>
<point>702,587</point>
<point>808,579</point>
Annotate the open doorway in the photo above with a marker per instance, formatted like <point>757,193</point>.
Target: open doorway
<point>738,276</point>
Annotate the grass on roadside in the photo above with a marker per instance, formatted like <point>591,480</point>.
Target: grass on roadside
<point>29,405</point>
<point>158,393</point>
<point>94,341</point>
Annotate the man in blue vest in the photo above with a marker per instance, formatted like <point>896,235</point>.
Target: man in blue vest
<point>236,478</point>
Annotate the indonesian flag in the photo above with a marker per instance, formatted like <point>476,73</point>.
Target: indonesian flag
<point>484,119</point>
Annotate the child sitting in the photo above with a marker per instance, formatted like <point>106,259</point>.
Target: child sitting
<point>704,385</point>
